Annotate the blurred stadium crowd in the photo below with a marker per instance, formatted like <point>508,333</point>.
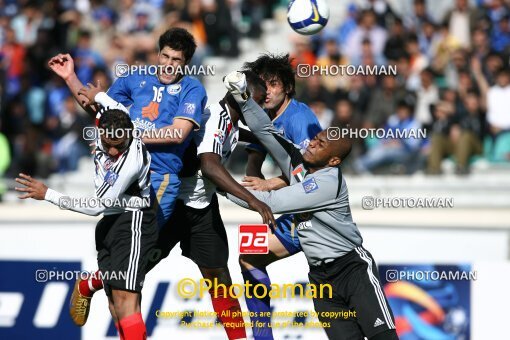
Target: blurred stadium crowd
<point>452,74</point>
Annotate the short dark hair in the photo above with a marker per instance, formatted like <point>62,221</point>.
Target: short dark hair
<point>178,39</point>
<point>269,66</point>
<point>114,119</point>
<point>254,83</point>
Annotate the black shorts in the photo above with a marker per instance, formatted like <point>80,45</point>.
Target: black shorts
<point>201,233</point>
<point>123,244</point>
<point>356,289</point>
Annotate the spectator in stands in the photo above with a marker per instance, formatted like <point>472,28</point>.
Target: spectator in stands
<point>312,90</point>
<point>67,131</point>
<point>498,109</point>
<point>357,94</point>
<point>368,55</point>
<point>460,136</point>
<point>302,52</point>
<point>428,39</point>
<point>480,44</point>
<point>417,62</point>
<point>27,23</point>
<point>333,56</point>
<point>367,29</point>
<point>393,150</point>
<point>383,102</point>
<point>472,128</point>
<point>444,135</point>
<point>500,39</point>
<point>85,58</point>
<point>322,112</point>
<point>496,11</point>
<point>13,55</point>
<point>348,26</point>
<point>457,64</point>
<point>415,21</point>
<point>461,20</point>
<point>426,95</point>
<point>395,45</point>
<point>383,12</point>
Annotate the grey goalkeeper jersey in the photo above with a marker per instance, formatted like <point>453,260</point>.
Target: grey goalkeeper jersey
<point>319,201</point>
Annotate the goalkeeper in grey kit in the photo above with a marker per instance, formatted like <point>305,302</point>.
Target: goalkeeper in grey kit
<point>329,238</point>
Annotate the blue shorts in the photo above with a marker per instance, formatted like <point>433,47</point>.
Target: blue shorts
<point>286,232</point>
<point>164,192</point>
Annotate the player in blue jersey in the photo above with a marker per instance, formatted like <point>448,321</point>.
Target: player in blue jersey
<point>163,101</point>
<point>298,123</point>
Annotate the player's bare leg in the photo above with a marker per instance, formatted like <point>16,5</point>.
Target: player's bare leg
<point>226,307</point>
<point>115,318</point>
<point>254,270</point>
<point>126,309</point>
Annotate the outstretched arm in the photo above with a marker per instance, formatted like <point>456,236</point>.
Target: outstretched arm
<point>213,169</point>
<point>37,190</point>
<point>63,66</point>
<point>314,193</point>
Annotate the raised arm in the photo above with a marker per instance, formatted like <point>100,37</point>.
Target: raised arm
<point>63,66</point>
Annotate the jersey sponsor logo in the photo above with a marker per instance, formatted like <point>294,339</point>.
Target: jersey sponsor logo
<point>310,185</point>
<point>253,239</point>
<point>174,89</point>
<point>142,83</point>
<point>143,124</point>
<point>111,177</point>
<point>189,108</point>
<point>219,136</point>
<point>108,164</point>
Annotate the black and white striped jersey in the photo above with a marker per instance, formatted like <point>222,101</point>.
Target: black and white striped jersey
<point>121,183</point>
<point>217,135</point>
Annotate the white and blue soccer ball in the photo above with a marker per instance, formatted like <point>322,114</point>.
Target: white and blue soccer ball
<point>307,16</point>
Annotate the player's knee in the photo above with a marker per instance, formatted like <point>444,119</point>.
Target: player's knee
<point>389,334</point>
<point>222,275</point>
<point>111,307</point>
<point>124,302</point>
<point>244,262</point>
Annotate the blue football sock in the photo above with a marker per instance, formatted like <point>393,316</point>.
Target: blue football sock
<point>261,329</point>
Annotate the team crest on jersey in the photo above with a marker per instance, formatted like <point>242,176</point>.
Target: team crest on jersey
<point>304,144</point>
<point>111,177</point>
<point>108,164</point>
<point>310,185</point>
<point>142,83</point>
<point>189,108</point>
<point>219,136</point>
<point>173,89</point>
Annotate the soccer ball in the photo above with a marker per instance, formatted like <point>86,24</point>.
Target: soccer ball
<point>307,16</point>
